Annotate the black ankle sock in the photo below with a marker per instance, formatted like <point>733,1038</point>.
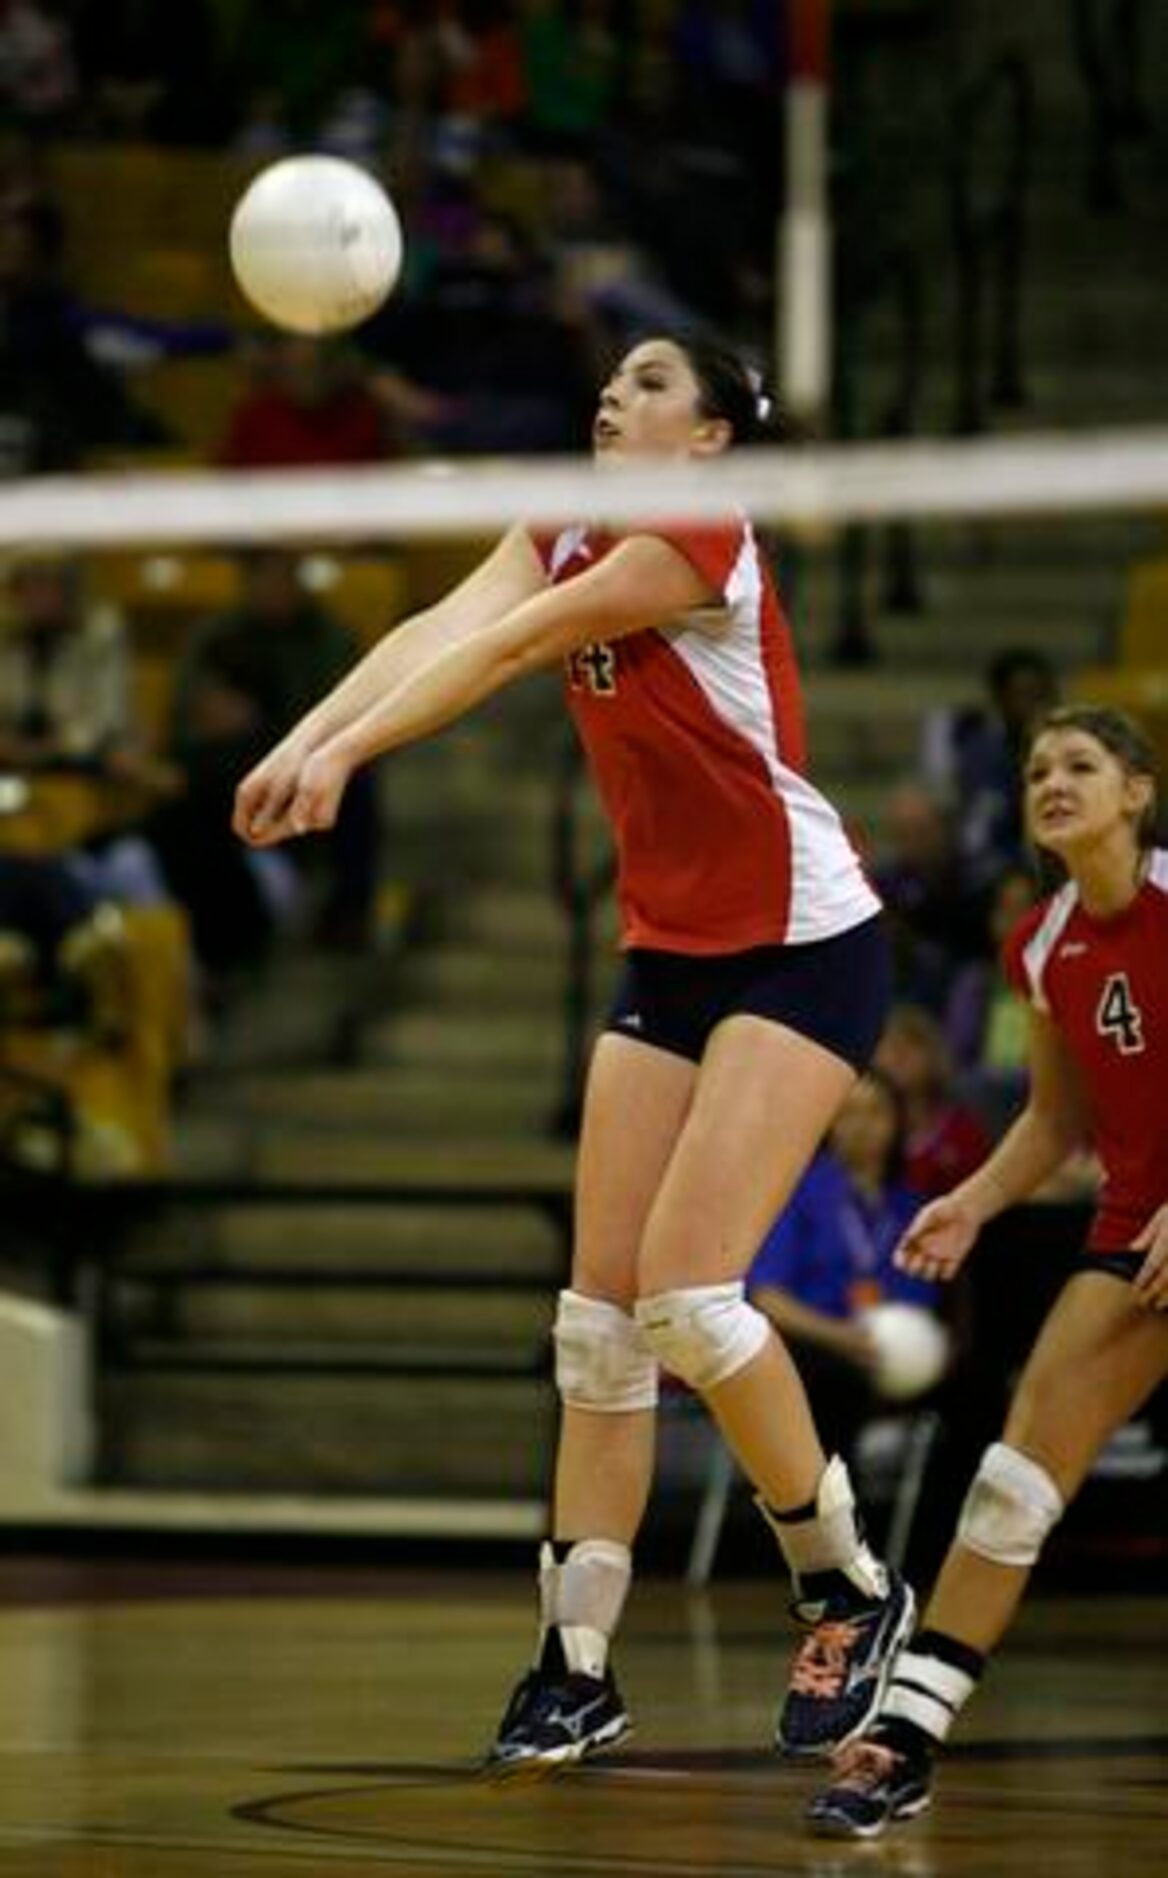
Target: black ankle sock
<point>552,1661</point>
<point>949,1650</point>
<point>904,1737</point>
<point>789,1516</point>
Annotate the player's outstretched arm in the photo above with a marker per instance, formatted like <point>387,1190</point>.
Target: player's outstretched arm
<point>643,583</point>
<point>1049,1127</point>
<point>510,574</point>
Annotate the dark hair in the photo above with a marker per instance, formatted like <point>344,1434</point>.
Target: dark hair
<point>895,1160</point>
<point>1017,662</point>
<point>1119,734</point>
<point>731,389</point>
<point>895,1155</point>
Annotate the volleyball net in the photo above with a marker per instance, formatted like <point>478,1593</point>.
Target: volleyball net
<point>930,556</point>
<point>809,490</point>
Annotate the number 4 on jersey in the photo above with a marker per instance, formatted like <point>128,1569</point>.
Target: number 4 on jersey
<point>1119,1016</point>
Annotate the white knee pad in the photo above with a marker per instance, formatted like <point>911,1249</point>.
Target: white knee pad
<point>1010,1507</point>
<point>704,1333</point>
<point>602,1360</point>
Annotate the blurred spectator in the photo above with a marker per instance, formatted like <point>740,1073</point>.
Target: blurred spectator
<point>263,131</point>
<point>728,59</point>
<point>571,61</point>
<point>984,1022</point>
<point>95,1003</point>
<point>650,91</point>
<point>945,1140</point>
<point>153,73</point>
<point>41,902</point>
<point>699,176</point>
<point>66,705</point>
<point>56,401</point>
<point>828,1257</point>
<point>340,78</point>
<point>597,263</point>
<point>38,77</point>
<point>64,668</point>
<point>487,333</point>
<point>243,680</point>
<point>972,756</point>
<point>478,55</point>
<point>307,401</point>
<point>934,912</point>
<point>105,1009</point>
<point>111,338</point>
<point>355,125</point>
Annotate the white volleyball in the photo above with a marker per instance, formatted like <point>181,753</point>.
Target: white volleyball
<point>912,1349</point>
<point>316,244</point>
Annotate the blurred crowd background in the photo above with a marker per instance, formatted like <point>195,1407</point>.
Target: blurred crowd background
<point>570,174</point>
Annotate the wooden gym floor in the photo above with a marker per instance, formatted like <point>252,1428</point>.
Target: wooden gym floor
<point>168,1721</point>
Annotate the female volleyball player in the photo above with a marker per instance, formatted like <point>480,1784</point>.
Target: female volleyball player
<point>1091,961</point>
<point>754,992</point>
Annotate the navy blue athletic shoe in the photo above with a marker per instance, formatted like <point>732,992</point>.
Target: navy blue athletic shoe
<point>557,1716</point>
<point>841,1667</point>
<point>873,1786</point>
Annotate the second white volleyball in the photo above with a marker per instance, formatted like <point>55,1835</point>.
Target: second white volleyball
<point>316,244</point>
<point>912,1349</point>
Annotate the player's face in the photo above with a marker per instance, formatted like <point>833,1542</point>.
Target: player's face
<point>650,407</point>
<point>1078,792</point>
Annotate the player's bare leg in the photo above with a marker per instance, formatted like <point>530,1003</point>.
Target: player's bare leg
<point>567,1705</point>
<point>1098,1358</point>
<point>732,1171</point>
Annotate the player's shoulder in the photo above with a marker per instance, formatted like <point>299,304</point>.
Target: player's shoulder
<point>1031,943</point>
<point>716,547</point>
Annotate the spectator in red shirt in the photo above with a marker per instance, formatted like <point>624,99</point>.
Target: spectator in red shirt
<point>306,403</point>
<point>946,1140</point>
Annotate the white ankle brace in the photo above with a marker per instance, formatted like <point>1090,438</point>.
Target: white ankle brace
<point>830,1540</point>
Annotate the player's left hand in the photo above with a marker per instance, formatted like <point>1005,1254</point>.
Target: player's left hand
<point>319,789</point>
<point>1151,1281</point>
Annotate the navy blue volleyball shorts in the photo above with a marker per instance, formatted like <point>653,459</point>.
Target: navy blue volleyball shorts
<point>834,991</point>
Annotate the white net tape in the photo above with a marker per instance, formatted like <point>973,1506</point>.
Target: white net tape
<point>807,489</point>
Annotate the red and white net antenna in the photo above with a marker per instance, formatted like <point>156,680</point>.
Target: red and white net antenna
<point>803,262</point>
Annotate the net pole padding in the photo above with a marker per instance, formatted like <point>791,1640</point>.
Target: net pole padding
<point>803,340</point>
<point>806,490</point>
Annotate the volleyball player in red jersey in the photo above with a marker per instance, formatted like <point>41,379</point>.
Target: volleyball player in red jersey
<point>1092,962</point>
<point>755,988</point>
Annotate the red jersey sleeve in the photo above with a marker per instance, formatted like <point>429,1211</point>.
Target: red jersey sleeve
<point>711,548</point>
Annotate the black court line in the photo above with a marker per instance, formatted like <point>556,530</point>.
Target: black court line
<point>512,1861</point>
<point>734,1760</point>
<point>282,1812</point>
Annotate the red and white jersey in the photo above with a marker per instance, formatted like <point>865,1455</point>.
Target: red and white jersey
<point>1104,982</point>
<point>694,735</point>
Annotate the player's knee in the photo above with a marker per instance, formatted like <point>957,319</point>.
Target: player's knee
<point>602,1359</point>
<point>1010,1507</point>
<point>703,1333</point>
